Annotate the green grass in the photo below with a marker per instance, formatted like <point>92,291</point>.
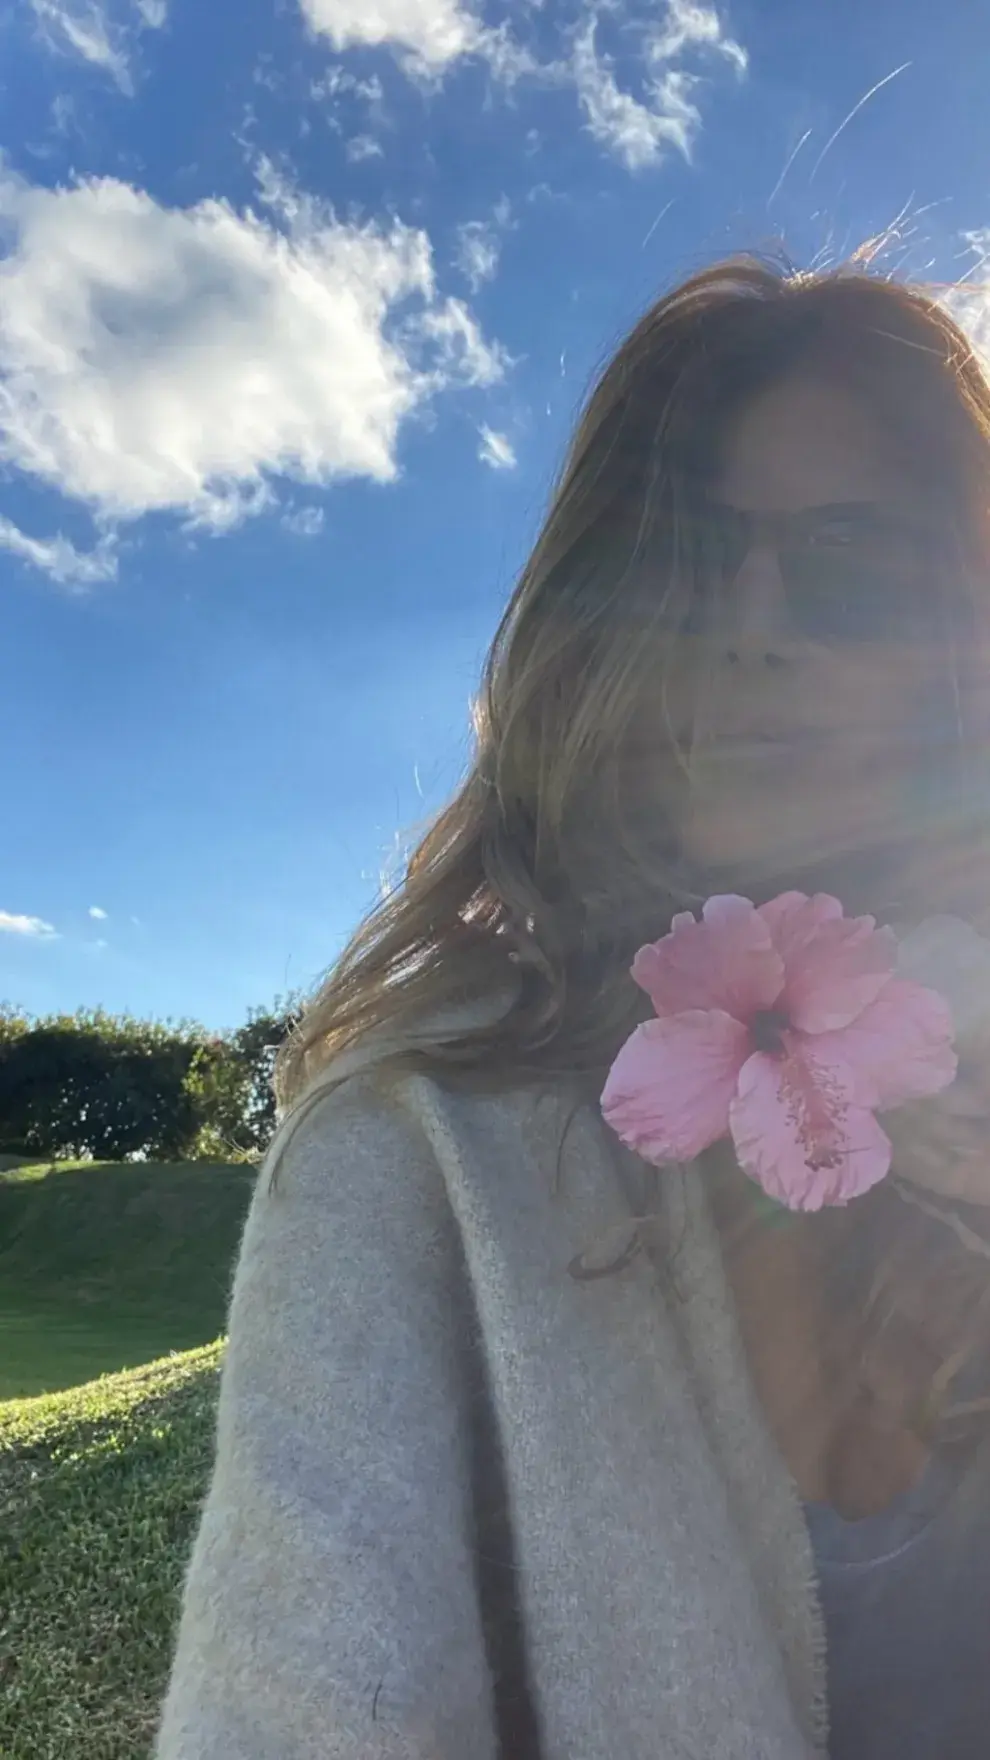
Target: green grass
<point>114,1283</point>
<point>100,1490</point>
<point>105,1267</point>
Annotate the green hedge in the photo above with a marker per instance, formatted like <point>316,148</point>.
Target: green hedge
<point>114,1088</point>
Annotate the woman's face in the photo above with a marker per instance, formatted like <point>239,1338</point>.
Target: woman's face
<point>822,684</point>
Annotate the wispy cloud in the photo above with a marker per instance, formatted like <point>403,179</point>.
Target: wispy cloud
<point>641,129</point>
<point>496,450</point>
<point>639,111</point>
<point>304,522</point>
<point>479,246</point>
<point>157,358</point>
<point>478,250</point>
<point>97,913</point>
<point>58,556</point>
<point>32,927</point>
<point>98,32</point>
<point>693,24</point>
<point>363,146</point>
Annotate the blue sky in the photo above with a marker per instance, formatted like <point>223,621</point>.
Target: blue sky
<point>299,300</point>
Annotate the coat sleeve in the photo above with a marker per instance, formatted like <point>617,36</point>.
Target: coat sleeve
<point>330,1609</point>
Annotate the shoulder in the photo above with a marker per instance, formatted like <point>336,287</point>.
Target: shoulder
<point>367,1222</point>
<point>374,1128</point>
<point>362,1110</point>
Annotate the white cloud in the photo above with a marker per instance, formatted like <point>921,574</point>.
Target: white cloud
<point>337,82</point>
<point>99,915</point>
<point>615,118</point>
<point>507,58</point>
<point>83,28</point>
<point>640,130</point>
<point>430,35</point>
<point>164,358</point>
<point>478,251</point>
<point>435,32</point>
<point>496,450</point>
<point>479,246</point>
<point>33,927</point>
<point>364,146</point>
<point>98,32</point>
<point>304,522</point>
<point>639,118</point>
<point>460,344</point>
<point>691,24</point>
<point>58,557</point>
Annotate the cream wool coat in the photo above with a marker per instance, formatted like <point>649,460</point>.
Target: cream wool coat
<point>466,1506</point>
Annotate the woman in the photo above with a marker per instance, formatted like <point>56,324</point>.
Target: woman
<point>526,1447</point>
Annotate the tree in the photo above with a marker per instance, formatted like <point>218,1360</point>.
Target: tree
<point>92,1084</point>
<point>238,1095</point>
<point>114,1088</point>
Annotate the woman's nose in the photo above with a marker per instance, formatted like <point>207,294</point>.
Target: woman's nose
<point>756,623</point>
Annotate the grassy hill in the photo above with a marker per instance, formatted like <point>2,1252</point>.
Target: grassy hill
<point>105,1267</point>
<point>113,1293</point>
<point>100,1489</point>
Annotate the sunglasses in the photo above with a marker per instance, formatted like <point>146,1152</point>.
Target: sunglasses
<point>851,571</point>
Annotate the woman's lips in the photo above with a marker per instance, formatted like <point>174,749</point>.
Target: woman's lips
<point>775,755</point>
<point>791,742</point>
<point>739,744</point>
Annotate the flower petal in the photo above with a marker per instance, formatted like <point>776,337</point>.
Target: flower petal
<point>800,1133</point>
<point>835,965</point>
<point>899,1048</point>
<point>668,1092</point>
<point>789,907</point>
<point>727,961</point>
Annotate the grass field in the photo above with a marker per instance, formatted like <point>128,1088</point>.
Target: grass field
<point>113,1290</point>
<point>100,1488</point>
<point>105,1267</point>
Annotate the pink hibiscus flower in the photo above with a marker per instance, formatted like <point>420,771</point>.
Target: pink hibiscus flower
<point>783,1026</point>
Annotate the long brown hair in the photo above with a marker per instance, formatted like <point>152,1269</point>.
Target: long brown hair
<point>556,858</point>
